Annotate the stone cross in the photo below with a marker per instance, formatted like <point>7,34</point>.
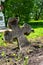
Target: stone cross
<point>17,32</point>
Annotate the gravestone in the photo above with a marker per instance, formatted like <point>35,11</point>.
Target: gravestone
<point>17,32</point>
<point>2,20</point>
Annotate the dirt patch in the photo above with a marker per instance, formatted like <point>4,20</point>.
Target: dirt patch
<point>30,55</point>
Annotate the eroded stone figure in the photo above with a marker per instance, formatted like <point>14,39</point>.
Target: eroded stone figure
<point>17,32</point>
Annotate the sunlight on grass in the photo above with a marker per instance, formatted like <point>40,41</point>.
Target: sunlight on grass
<point>36,20</point>
<point>37,33</point>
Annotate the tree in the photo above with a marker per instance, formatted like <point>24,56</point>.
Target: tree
<point>38,9</point>
<point>22,8</point>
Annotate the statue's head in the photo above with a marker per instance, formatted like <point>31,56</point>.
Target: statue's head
<point>12,22</point>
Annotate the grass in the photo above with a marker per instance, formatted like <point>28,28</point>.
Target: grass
<point>38,31</point>
<point>36,20</point>
<point>2,43</point>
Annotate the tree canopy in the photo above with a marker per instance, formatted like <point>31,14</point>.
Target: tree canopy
<point>25,9</point>
<point>22,8</point>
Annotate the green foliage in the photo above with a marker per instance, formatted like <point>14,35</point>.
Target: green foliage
<point>26,60</point>
<point>25,9</point>
<point>37,12</point>
<point>22,8</point>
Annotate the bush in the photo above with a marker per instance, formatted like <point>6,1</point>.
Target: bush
<point>22,8</point>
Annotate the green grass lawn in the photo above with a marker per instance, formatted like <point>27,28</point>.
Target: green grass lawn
<point>36,20</point>
<point>38,31</point>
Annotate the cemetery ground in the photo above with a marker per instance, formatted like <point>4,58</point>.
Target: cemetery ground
<point>30,55</point>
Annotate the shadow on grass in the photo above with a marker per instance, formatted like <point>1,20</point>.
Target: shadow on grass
<point>36,24</point>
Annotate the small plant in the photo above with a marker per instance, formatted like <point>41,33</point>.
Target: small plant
<point>3,54</point>
<point>25,60</point>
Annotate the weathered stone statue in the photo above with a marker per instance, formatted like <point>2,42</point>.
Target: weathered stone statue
<point>17,32</point>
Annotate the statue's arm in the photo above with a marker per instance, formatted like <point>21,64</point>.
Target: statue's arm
<point>27,29</point>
